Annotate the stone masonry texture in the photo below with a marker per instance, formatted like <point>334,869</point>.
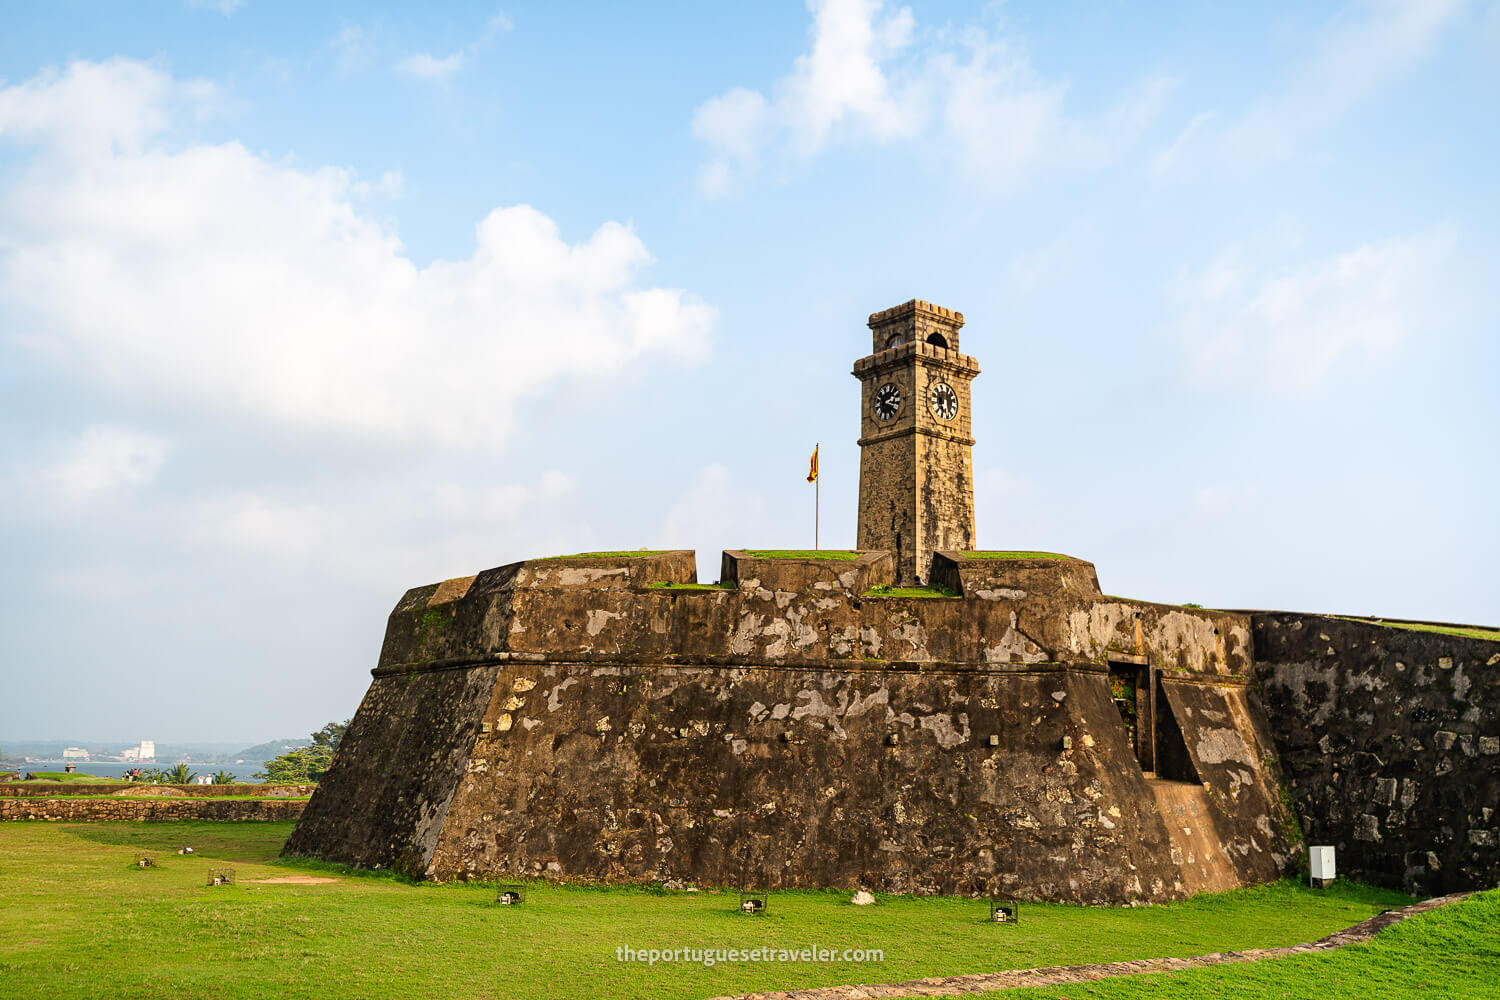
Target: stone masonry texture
<point>568,719</point>
<point>1391,740</point>
<point>74,809</point>
<point>916,494</point>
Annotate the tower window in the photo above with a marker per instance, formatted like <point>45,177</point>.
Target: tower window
<point>937,340</point>
<point>896,340</point>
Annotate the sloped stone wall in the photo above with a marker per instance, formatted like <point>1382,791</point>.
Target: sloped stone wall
<point>1015,781</point>
<point>572,719</point>
<point>1391,740</point>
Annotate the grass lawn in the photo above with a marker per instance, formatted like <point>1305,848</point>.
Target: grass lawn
<point>1015,555</point>
<point>1471,633</point>
<point>937,590</point>
<point>63,776</point>
<point>621,554</point>
<point>1451,952</point>
<point>842,555</point>
<point>78,920</point>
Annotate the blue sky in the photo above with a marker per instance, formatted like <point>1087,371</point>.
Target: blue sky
<point>300,309</point>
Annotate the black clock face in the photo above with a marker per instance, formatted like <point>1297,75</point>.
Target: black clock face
<point>887,401</point>
<point>943,400</point>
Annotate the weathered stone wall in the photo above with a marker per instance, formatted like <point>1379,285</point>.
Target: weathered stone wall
<point>73,809</point>
<point>386,793</point>
<point>902,780</point>
<point>568,718</point>
<point>55,789</point>
<point>1391,740</point>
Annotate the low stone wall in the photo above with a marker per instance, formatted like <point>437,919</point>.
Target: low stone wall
<point>1391,739</point>
<point>75,809</point>
<point>54,789</point>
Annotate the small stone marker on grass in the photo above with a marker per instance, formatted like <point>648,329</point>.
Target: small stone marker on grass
<point>221,876</point>
<point>753,903</point>
<point>511,895</point>
<point>1005,911</point>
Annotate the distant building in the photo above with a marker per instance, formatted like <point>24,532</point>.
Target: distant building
<point>146,751</point>
<point>75,753</point>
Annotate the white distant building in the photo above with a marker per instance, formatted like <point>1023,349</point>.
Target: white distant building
<point>148,749</point>
<point>75,753</point>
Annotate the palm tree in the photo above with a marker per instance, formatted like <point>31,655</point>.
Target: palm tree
<point>223,778</point>
<point>179,775</point>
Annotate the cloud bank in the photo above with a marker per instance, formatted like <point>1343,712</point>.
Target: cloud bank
<point>220,277</point>
<point>863,79</point>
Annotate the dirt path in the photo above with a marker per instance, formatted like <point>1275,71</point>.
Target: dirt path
<point>1059,975</point>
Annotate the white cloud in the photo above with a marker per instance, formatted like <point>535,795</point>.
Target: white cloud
<point>212,274</point>
<point>425,66</point>
<point>1365,47</point>
<point>103,459</point>
<point>374,533</point>
<point>862,79</point>
<point>1289,327</point>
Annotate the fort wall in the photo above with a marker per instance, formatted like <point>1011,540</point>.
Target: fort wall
<point>75,809</point>
<point>1391,740</point>
<point>578,719</point>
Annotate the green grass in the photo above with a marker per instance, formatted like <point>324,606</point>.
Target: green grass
<point>623,554</point>
<point>666,585</point>
<point>1451,952</point>
<point>91,779</point>
<point>936,590</point>
<point>836,554</point>
<point>1015,555</point>
<point>77,919</point>
<point>1492,635</point>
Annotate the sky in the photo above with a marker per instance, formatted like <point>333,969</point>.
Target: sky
<point>305,305</point>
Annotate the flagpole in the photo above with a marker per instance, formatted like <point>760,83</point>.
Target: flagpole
<point>817,500</point>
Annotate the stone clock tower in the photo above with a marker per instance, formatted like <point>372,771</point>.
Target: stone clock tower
<point>916,471</point>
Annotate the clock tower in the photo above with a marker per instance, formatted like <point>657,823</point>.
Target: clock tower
<point>916,472</point>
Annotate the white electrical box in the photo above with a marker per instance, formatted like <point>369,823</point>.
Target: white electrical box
<point>1320,865</point>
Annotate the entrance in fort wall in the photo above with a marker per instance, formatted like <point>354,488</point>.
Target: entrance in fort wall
<point>1155,737</point>
<point>1130,688</point>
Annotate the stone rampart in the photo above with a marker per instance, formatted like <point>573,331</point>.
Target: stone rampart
<point>75,809</point>
<point>1391,740</point>
<point>55,789</point>
<point>794,729</point>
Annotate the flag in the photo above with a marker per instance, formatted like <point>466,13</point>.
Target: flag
<point>812,473</point>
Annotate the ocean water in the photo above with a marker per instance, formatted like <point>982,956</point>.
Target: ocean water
<point>103,769</point>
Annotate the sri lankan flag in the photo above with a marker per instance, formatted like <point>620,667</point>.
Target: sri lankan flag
<point>812,472</point>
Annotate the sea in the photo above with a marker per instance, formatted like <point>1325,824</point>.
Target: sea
<point>113,769</point>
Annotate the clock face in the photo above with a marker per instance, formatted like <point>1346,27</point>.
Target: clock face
<point>887,401</point>
<point>943,400</point>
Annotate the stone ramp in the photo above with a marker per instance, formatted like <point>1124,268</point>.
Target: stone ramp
<point>1196,849</point>
<point>1062,975</point>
